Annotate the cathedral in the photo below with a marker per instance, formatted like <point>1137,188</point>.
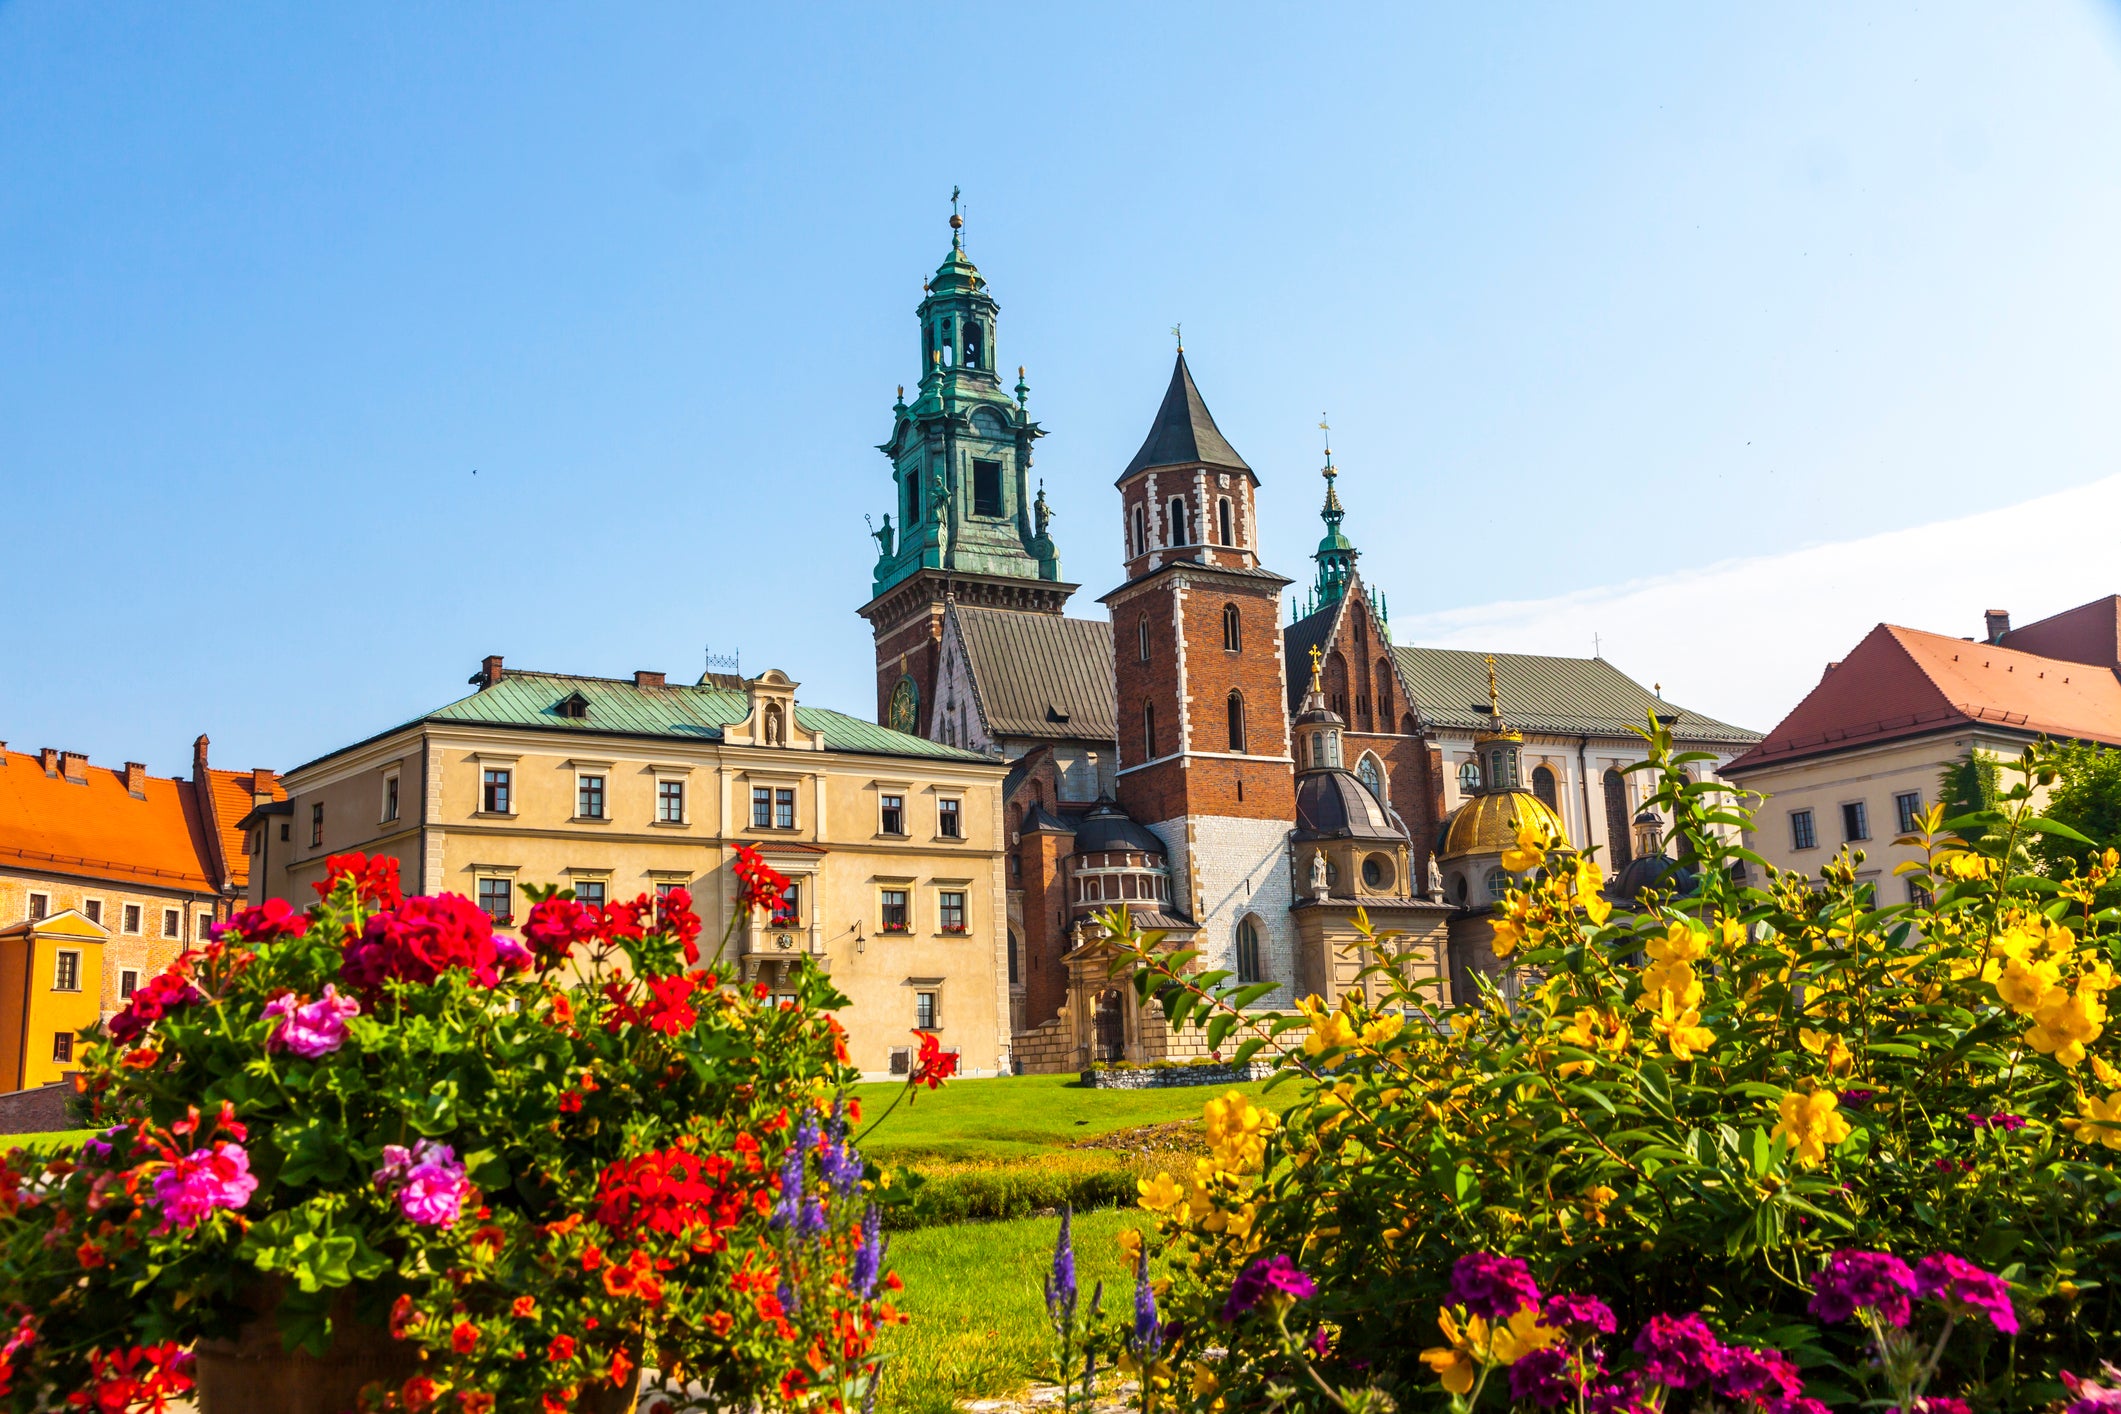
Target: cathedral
<point>1245,786</point>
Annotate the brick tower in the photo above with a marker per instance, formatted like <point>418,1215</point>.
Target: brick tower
<point>1202,719</point>
<point>968,524</point>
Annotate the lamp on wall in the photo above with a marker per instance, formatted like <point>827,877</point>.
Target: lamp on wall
<point>858,937</point>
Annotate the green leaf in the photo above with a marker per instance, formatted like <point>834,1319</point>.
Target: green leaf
<point>1218,1028</point>
<point>1244,996</point>
<point>1247,1048</point>
<point>1763,1152</point>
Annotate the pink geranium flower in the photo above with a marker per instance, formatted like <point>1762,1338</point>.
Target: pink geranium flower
<point>195,1184</point>
<point>312,1030</point>
<point>429,1182</point>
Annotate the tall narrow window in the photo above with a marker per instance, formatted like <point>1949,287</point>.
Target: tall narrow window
<point>1855,821</point>
<point>68,973</point>
<point>1149,731</point>
<point>1141,531</point>
<point>784,808</point>
<point>589,797</point>
<point>924,1010</point>
<point>1371,775</point>
<point>1222,521</point>
<point>913,502</point>
<point>132,918</point>
<point>390,798</point>
<point>172,923</point>
<point>975,345</point>
<point>40,907</point>
<point>891,815</point>
<point>1543,787</point>
<point>986,488</point>
<point>316,823</point>
<point>788,908</point>
<point>494,784</point>
<point>896,919</point>
<point>1178,521</point>
<point>1233,629</point>
<point>949,823</point>
<point>761,807</point>
<point>670,802</point>
<point>1141,633</point>
<point>950,910</point>
<point>1619,845</point>
<point>1248,950</point>
<point>1802,835</point>
<point>1237,722</point>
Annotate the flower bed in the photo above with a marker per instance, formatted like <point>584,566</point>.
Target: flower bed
<point>1158,1075</point>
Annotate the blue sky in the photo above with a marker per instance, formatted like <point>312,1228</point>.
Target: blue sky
<point>1593,297</point>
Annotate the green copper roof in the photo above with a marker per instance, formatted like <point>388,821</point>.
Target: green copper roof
<point>616,706</point>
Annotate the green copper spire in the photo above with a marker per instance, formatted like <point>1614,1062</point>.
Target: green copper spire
<point>1336,554</point>
<point>961,450</point>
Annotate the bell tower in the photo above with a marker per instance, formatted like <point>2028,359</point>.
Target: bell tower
<point>1201,698</point>
<point>964,522</point>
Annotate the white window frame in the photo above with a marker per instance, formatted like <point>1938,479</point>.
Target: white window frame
<point>684,815</point>
<point>59,961</point>
<point>603,780</point>
<point>133,917</point>
<point>393,799</point>
<point>169,914</point>
<point>31,906</point>
<point>956,813</point>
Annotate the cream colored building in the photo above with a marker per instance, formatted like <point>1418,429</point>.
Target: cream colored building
<point>1866,750</point>
<point>618,788</point>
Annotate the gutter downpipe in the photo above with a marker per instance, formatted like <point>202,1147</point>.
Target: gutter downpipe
<point>1583,787</point>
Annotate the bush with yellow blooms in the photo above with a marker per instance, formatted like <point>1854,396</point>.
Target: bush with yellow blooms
<point>1710,1102</point>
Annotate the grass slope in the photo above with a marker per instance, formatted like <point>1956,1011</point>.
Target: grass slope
<point>1023,1116</point>
<point>975,1293</point>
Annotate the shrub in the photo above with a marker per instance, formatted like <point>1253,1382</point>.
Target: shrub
<point>1690,1109</point>
<point>967,1192</point>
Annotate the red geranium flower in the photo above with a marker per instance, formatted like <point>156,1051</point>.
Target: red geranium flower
<point>759,884</point>
<point>556,925</point>
<point>934,1064</point>
<point>562,1348</point>
<point>375,880</point>
<point>669,1009</point>
<point>464,1338</point>
<point>419,1392</point>
<point>674,912</point>
<point>273,919</point>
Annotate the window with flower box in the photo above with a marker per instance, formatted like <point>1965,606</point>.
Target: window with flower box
<point>497,899</point>
<point>950,910</point>
<point>788,908</point>
<point>898,915</point>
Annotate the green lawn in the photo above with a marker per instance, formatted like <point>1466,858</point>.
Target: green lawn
<point>44,1143</point>
<point>1023,1116</point>
<point>975,1293</point>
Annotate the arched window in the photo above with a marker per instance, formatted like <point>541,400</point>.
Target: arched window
<point>1141,530</point>
<point>1222,521</point>
<point>1384,695</point>
<point>1468,777</point>
<point>1149,731</point>
<point>949,345</point>
<point>1619,848</point>
<point>1371,774</point>
<point>1543,787</point>
<point>1233,629</point>
<point>1248,949</point>
<point>975,346</point>
<point>1332,748</point>
<point>1237,721</point>
<point>1141,631</point>
<point>1498,885</point>
<point>1015,975</point>
<point>1178,521</point>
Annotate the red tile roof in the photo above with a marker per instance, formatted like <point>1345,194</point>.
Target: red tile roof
<point>98,829</point>
<point>1902,682</point>
<point>2089,633</point>
<point>234,796</point>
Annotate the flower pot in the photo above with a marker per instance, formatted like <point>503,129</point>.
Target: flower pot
<point>603,1398</point>
<point>254,1372</point>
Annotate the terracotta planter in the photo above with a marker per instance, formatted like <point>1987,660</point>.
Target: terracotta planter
<point>254,1372</point>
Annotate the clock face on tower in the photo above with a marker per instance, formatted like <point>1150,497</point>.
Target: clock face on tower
<point>905,708</point>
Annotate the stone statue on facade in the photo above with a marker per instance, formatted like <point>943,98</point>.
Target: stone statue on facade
<point>1041,513</point>
<point>1319,887</point>
<point>1435,878</point>
<point>886,539</point>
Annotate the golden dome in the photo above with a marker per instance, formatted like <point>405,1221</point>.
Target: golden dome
<point>1487,824</point>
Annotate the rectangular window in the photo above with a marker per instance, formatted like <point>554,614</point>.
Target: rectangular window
<point>1801,834</point>
<point>390,799</point>
<point>589,797</point>
<point>497,899</point>
<point>662,890</point>
<point>494,784</point>
<point>901,1060</point>
<point>1855,821</point>
<point>986,488</point>
<point>63,1047</point>
<point>924,1010</point>
<point>92,910</point>
<point>283,831</point>
<point>891,818</point>
<point>784,808</point>
<point>132,918</point>
<point>128,983</point>
<point>897,919</point>
<point>947,819</point>
<point>206,927</point>
<point>788,909</point>
<point>589,891</point>
<point>40,907</point>
<point>316,824</point>
<point>1907,805</point>
<point>950,910</point>
<point>172,923</point>
<point>1919,895</point>
<point>670,802</point>
<point>761,808</point>
<point>67,974</point>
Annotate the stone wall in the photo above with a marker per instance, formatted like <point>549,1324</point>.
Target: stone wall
<point>38,1111</point>
<point>1047,1049</point>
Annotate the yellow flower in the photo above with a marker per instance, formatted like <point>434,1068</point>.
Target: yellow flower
<point>1379,1035</point>
<point>1597,909</point>
<point>1593,1030</point>
<point>1530,851</point>
<point>1237,1133</point>
<point>1674,979</point>
<point>1681,1027</point>
<point>1523,1335</point>
<point>1682,942</point>
<point>1596,1202</point>
<point>1509,936</point>
<point>1455,1362</point>
<point>2025,982</point>
<point>2098,1122</point>
<point>1204,1381</point>
<point>1840,1060</point>
<point>1964,865</point>
<point>2105,1074</point>
<point>1329,1029</point>
<point>1130,1245</point>
<point>2064,1022</point>
<point>1160,1194</point>
<point>1811,1122</point>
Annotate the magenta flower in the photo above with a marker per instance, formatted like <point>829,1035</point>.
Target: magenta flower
<point>1581,1317</point>
<point>2004,1122</point>
<point>1264,1276</point>
<point>1963,1289</point>
<point>511,954</point>
<point>2090,1396</point>
<point>1765,1377</point>
<point>1493,1288</point>
<point>1855,1281</point>
<point>1681,1352</point>
<point>430,1184</point>
<point>312,1030</point>
<point>197,1183</point>
<point>1544,1378</point>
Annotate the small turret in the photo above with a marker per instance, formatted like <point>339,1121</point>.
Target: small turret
<point>1336,554</point>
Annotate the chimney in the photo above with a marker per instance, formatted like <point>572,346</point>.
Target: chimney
<point>1829,670</point>
<point>489,672</point>
<point>198,760</point>
<point>1999,623</point>
<point>136,779</point>
<point>261,784</point>
<point>49,759</point>
<point>643,678</point>
<point>75,765</point>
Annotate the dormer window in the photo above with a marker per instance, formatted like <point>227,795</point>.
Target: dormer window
<point>573,705</point>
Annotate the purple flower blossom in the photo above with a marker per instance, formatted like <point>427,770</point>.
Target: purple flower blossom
<point>1615,1396</point>
<point>310,1029</point>
<point>788,1204</point>
<point>1580,1317</point>
<point>1762,1376</point>
<point>1060,1282</point>
<point>1493,1288</point>
<point>2092,1397</point>
<point>197,1183</point>
<point>791,1300</point>
<point>1544,1378</point>
<point>1853,1281</point>
<point>2004,1122</point>
<point>1857,1097</point>
<point>1147,1337</point>
<point>511,954</point>
<point>1263,1276</point>
<point>1964,1289</point>
<point>1681,1352</point>
<point>839,1162</point>
<point>430,1183</point>
<point>869,1258</point>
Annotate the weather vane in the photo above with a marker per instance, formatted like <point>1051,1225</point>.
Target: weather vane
<point>1176,334</point>
<point>1327,428</point>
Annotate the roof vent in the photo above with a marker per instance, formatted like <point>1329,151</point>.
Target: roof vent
<point>572,705</point>
<point>1999,623</point>
<point>1054,714</point>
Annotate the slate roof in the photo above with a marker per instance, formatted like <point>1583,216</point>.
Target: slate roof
<point>1039,675</point>
<point>1185,432</point>
<point>620,707</point>
<point>1549,696</point>
<point>1902,682</point>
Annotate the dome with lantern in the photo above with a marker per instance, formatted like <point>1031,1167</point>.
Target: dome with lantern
<point>1474,836</point>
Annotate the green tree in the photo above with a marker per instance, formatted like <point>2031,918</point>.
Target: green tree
<point>2086,797</point>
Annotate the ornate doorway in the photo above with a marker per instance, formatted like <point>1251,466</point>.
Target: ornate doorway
<point>1111,1026</point>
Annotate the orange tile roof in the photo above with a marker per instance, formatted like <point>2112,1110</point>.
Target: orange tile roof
<point>233,797</point>
<point>2089,633</point>
<point>1902,682</point>
<point>99,829</point>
